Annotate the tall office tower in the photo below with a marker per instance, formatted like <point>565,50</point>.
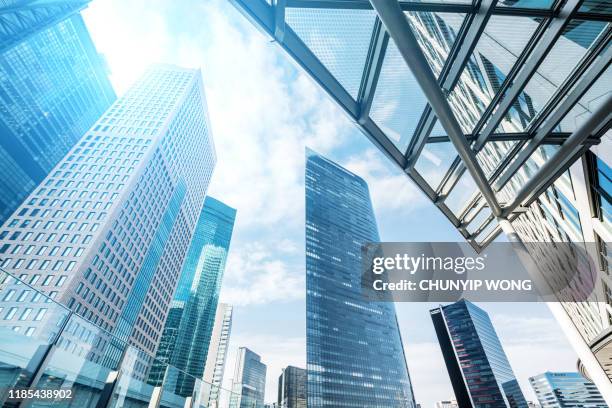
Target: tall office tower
<point>565,390</point>
<point>106,232</point>
<point>53,87</point>
<point>524,101</point>
<point>186,337</point>
<point>477,365</point>
<point>292,388</point>
<point>346,334</point>
<point>217,354</point>
<point>249,383</point>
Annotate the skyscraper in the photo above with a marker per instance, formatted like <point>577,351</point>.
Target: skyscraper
<point>292,388</point>
<point>476,362</point>
<point>106,232</point>
<point>217,353</point>
<point>354,354</point>
<point>561,390</point>
<point>53,87</point>
<point>249,383</point>
<point>187,334</point>
<point>499,115</point>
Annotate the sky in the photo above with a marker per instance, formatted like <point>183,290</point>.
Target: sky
<point>264,111</point>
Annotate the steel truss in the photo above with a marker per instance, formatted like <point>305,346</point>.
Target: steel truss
<point>391,22</point>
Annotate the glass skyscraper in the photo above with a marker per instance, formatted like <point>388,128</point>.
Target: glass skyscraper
<point>566,390</point>
<point>53,87</point>
<point>249,382</point>
<point>355,355</point>
<point>217,354</point>
<point>187,334</point>
<point>292,388</point>
<point>479,370</point>
<point>107,230</point>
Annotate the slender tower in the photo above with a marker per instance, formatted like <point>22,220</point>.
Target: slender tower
<point>355,355</point>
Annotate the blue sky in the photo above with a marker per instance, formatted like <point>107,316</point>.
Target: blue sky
<point>264,112</point>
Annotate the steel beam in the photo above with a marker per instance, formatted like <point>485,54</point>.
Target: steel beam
<point>458,58</point>
<point>371,73</point>
<point>550,139</point>
<point>468,43</point>
<point>584,82</point>
<point>601,118</point>
<point>530,67</point>
<point>398,28</point>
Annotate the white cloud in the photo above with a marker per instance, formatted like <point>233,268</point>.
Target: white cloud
<point>390,189</point>
<point>258,275</point>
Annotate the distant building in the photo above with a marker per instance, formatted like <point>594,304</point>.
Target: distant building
<point>248,386</point>
<point>217,353</point>
<point>475,359</point>
<point>53,87</point>
<point>561,390</point>
<point>292,388</point>
<point>447,404</point>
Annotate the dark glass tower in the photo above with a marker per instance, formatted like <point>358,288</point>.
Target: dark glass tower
<point>354,350</point>
<point>292,388</point>
<point>186,337</point>
<point>53,87</point>
<point>477,364</point>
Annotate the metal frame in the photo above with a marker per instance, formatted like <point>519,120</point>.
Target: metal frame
<point>18,22</point>
<point>552,21</point>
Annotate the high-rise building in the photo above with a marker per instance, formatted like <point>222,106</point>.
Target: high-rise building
<point>53,87</point>
<point>292,388</point>
<point>523,101</point>
<point>355,355</point>
<point>475,359</point>
<point>217,354</point>
<point>564,390</point>
<point>107,230</point>
<point>249,383</point>
<point>186,337</point>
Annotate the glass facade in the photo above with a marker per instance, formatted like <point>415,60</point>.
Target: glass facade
<point>477,364</point>
<point>292,388</point>
<point>53,87</point>
<point>566,390</point>
<point>186,337</point>
<point>107,230</point>
<point>249,383</point>
<point>60,356</point>
<point>355,354</point>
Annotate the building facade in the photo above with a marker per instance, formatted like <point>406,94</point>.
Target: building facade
<point>107,230</point>
<point>355,355</point>
<point>565,390</point>
<point>477,365</point>
<point>186,338</point>
<point>217,354</point>
<point>249,382</point>
<point>292,388</point>
<point>53,86</point>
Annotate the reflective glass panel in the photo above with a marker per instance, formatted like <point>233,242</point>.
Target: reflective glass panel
<point>340,39</point>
